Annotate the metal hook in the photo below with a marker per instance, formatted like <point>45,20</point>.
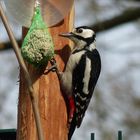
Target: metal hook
<point>37,3</point>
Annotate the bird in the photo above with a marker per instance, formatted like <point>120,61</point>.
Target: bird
<point>81,74</point>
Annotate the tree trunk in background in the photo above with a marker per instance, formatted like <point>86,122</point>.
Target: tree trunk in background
<point>51,103</point>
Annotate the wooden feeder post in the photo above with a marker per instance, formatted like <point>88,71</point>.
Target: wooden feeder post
<point>51,103</point>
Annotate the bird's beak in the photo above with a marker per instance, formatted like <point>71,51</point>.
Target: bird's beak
<point>68,35</point>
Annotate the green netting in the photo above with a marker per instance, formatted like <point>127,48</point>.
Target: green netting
<point>38,47</point>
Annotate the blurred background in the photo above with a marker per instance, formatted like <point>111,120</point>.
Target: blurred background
<point>116,102</point>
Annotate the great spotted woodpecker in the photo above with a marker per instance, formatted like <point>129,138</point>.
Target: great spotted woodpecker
<point>80,75</point>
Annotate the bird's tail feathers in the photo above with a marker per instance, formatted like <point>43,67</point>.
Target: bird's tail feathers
<point>72,127</point>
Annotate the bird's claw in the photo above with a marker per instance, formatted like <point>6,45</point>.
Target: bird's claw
<point>53,68</point>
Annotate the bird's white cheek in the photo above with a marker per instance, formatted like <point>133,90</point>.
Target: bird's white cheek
<point>87,33</point>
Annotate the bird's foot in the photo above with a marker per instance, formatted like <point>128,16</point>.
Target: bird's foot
<point>53,68</point>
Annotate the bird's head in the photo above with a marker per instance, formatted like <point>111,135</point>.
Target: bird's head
<point>82,36</point>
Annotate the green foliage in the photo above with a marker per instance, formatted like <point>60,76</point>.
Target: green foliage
<point>38,47</point>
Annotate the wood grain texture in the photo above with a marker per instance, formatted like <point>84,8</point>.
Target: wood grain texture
<point>51,103</point>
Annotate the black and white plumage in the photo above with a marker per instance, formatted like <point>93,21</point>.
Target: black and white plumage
<point>81,73</point>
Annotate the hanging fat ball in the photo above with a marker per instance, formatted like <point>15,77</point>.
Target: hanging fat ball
<point>37,47</point>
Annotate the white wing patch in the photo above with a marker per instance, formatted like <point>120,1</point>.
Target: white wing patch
<point>87,76</point>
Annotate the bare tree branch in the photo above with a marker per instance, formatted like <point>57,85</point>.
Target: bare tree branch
<point>127,16</point>
<point>7,45</point>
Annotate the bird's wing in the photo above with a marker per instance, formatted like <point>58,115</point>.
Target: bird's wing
<point>77,81</point>
<point>78,75</point>
<point>90,65</point>
<point>78,84</point>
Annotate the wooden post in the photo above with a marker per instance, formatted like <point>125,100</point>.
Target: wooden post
<point>51,103</point>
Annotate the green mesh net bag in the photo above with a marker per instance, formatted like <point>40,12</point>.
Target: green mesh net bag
<point>37,47</point>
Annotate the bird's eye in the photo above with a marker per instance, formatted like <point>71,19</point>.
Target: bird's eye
<point>79,31</point>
